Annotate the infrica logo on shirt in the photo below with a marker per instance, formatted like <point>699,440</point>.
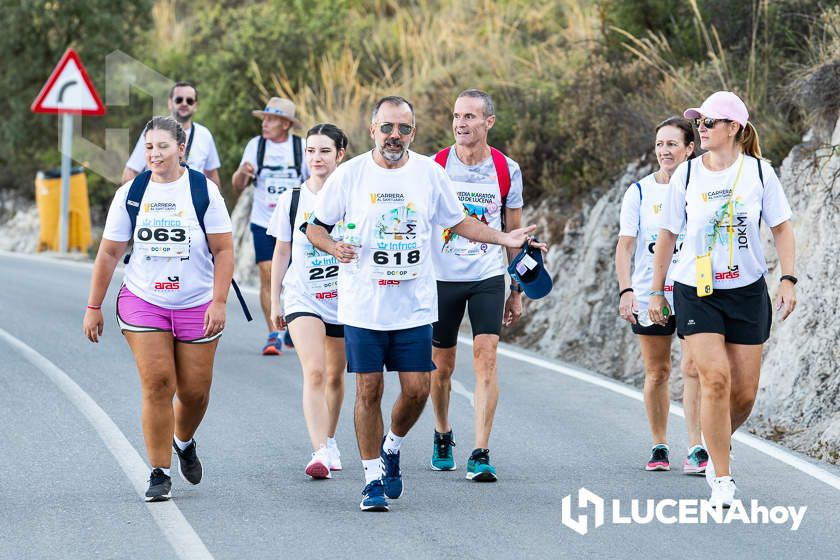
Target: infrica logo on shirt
<point>386,198</point>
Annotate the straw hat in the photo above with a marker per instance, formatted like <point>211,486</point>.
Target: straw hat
<point>280,107</point>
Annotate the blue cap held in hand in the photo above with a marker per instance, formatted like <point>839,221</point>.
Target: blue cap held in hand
<point>528,269</point>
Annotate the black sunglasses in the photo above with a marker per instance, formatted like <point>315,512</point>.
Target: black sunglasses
<point>188,100</point>
<point>388,127</point>
<point>708,123</point>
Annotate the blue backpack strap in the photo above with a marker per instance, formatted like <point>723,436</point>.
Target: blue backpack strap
<point>760,171</point>
<point>201,202</point>
<point>639,187</point>
<point>297,150</point>
<point>133,200</point>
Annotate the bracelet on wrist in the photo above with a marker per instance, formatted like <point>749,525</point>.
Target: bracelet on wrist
<point>94,307</point>
<point>516,287</point>
<point>790,278</point>
<point>624,291</point>
<point>656,293</point>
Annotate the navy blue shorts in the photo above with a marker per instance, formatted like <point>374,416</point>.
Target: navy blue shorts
<point>263,243</point>
<point>368,351</point>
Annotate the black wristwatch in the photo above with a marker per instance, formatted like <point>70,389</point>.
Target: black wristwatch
<point>789,277</point>
<point>515,287</point>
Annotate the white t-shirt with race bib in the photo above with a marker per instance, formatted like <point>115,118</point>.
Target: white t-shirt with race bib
<point>458,259</point>
<point>202,156</point>
<point>278,175</point>
<point>706,202</point>
<point>392,286</point>
<point>642,216</point>
<point>311,282</point>
<point>170,264</point>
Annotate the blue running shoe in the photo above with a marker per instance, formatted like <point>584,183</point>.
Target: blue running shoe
<point>374,497</point>
<point>479,468</point>
<point>659,458</point>
<point>442,458</point>
<point>274,345</point>
<point>391,477</point>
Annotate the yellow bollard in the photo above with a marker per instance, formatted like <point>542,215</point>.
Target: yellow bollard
<point>48,198</point>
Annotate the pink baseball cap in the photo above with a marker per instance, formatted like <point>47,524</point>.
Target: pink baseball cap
<point>721,105</point>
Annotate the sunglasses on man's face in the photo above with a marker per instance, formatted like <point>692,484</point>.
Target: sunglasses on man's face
<point>708,123</point>
<point>187,100</point>
<point>388,127</point>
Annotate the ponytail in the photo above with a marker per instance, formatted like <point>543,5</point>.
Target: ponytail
<point>747,138</point>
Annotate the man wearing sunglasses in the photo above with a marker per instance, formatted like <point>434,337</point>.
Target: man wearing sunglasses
<point>471,276</point>
<point>392,199</point>
<point>201,153</point>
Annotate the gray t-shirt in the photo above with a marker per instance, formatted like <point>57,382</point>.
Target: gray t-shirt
<point>458,259</point>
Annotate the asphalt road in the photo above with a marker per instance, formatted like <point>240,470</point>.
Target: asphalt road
<point>73,460</point>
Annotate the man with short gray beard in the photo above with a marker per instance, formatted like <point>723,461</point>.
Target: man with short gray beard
<point>389,201</point>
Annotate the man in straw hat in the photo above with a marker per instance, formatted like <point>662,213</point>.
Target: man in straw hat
<point>273,163</point>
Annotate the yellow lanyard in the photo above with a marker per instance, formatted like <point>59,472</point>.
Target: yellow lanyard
<point>731,198</point>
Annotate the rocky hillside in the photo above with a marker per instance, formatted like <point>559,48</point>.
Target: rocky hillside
<point>799,397</point>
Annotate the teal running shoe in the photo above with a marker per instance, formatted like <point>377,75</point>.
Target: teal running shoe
<point>479,468</point>
<point>442,457</point>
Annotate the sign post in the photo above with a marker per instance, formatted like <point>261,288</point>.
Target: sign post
<point>68,92</point>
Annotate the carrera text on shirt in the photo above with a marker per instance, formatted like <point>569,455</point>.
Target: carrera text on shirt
<point>278,175</point>
<point>704,211</point>
<point>311,282</point>
<point>393,284</point>
<point>170,264</point>
<point>458,259</point>
<point>642,216</point>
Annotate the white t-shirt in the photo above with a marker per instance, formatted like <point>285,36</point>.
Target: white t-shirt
<point>203,154</point>
<point>167,225</point>
<point>311,282</point>
<point>642,216</point>
<point>277,176</point>
<point>392,286</point>
<point>458,259</point>
<point>706,202</point>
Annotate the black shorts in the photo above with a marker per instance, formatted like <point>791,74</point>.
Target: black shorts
<point>333,331</point>
<point>485,303</point>
<point>667,329</point>
<point>742,315</point>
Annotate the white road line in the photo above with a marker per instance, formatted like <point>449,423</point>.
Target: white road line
<point>172,523</point>
<point>596,379</point>
<point>460,389</point>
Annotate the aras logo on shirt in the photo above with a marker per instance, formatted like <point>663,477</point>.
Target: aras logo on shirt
<point>171,284</point>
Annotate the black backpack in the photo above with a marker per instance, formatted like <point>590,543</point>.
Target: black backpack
<point>297,148</point>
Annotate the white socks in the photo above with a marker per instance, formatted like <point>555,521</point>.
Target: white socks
<point>165,470</point>
<point>331,442</point>
<point>373,469</point>
<point>182,444</point>
<point>392,443</point>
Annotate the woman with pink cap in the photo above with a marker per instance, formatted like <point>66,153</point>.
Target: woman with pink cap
<point>720,296</point>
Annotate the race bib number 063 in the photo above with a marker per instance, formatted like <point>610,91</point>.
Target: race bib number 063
<point>162,242</point>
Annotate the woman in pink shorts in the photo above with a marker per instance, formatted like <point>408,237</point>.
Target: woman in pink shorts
<point>171,307</point>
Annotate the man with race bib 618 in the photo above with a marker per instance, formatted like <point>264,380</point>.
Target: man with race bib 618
<point>471,275</point>
<point>273,163</point>
<point>389,201</point>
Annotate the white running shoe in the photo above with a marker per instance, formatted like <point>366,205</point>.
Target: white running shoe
<point>319,466</point>
<point>335,457</point>
<point>723,492</point>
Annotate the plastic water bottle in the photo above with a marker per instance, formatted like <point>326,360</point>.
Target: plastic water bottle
<point>351,237</point>
<point>643,317</point>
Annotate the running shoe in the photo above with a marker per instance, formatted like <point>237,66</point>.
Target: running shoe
<point>391,477</point>
<point>287,340</point>
<point>696,460</point>
<point>188,464</point>
<point>723,492</point>
<point>160,487</point>
<point>319,466</point>
<point>442,457</point>
<point>335,457</point>
<point>479,468</point>
<point>374,497</point>
<point>273,347</point>
<point>658,459</point>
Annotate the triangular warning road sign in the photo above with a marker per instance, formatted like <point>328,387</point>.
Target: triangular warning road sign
<point>69,90</point>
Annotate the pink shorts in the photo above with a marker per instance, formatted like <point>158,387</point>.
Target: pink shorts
<point>138,315</point>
